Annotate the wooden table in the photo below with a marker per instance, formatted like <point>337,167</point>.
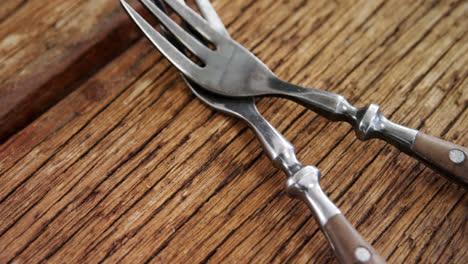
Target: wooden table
<point>106,156</point>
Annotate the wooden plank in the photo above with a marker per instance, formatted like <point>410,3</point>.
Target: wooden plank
<point>47,49</point>
<point>131,167</point>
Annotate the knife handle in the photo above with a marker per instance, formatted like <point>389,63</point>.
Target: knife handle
<point>348,245</point>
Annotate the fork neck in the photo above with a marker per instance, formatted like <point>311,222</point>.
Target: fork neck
<point>330,105</point>
<point>368,122</point>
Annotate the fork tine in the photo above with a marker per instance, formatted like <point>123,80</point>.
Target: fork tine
<point>187,40</point>
<point>209,13</point>
<point>179,60</point>
<point>196,21</point>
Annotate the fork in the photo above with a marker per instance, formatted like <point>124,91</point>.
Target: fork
<point>231,70</point>
<point>303,181</point>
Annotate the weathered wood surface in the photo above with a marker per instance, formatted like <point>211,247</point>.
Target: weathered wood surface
<point>47,49</point>
<point>131,167</point>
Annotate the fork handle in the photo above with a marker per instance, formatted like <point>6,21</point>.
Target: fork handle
<point>369,122</point>
<point>447,156</point>
<point>348,245</point>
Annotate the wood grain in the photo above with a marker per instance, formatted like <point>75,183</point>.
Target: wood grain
<point>129,166</point>
<point>49,49</point>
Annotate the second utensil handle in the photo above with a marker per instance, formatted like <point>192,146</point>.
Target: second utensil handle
<point>349,246</point>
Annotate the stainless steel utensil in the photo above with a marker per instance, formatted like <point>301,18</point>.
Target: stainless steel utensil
<point>231,70</point>
<point>303,181</point>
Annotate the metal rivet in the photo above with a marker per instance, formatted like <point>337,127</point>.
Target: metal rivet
<point>457,156</point>
<point>362,254</point>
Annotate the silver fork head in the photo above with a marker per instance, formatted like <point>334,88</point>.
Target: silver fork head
<point>278,148</point>
<point>238,107</point>
<point>229,70</point>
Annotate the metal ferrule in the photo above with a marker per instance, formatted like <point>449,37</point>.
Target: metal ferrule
<point>304,185</point>
<point>369,122</point>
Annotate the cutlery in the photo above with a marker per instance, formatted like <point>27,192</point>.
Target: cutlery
<point>303,181</point>
<point>231,70</point>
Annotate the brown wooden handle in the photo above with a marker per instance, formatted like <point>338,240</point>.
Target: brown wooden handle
<point>447,157</point>
<point>349,246</point>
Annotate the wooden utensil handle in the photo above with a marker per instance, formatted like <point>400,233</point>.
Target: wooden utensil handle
<point>350,247</point>
<point>447,156</point>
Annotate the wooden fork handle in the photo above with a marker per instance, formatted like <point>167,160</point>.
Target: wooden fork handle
<point>447,156</point>
<point>350,247</point>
